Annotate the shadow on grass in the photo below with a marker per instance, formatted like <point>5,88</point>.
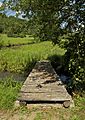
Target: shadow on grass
<point>29,66</point>
<point>57,62</point>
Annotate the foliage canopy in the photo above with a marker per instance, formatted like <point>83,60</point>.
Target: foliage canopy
<point>55,18</point>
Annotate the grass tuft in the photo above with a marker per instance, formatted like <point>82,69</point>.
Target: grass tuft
<point>8,92</point>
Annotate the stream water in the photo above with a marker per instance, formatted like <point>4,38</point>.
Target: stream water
<point>21,77</point>
<point>15,76</point>
<point>65,79</point>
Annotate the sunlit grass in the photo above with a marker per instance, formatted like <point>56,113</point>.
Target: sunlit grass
<point>13,41</point>
<point>20,59</point>
<point>9,89</point>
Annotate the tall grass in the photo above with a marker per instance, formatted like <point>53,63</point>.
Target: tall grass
<point>20,59</point>
<point>8,41</point>
<point>8,92</point>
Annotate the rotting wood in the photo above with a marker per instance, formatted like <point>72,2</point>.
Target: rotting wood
<point>66,104</point>
<point>43,84</point>
<point>44,96</point>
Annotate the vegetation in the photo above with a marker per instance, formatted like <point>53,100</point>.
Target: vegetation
<point>8,92</point>
<point>13,26</point>
<point>22,58</point>
<point>39,113</point>
<point>1,41</point>
<point>9,89</point>
<point>61,22</point>
<point>57,18</point>
<point>11,41</point>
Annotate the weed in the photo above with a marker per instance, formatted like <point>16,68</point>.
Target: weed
<point>38,116</point>
<point>8,92</point>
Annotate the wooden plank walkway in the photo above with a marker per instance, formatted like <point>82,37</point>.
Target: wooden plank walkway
<point>43,85</point>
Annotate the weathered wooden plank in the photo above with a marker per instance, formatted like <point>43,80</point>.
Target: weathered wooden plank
<point>42,89</point>
<point>44,96</point>
<point>41,76</point>
<point>34,90</point>
<point>43,85</point>
<point>42,81</point>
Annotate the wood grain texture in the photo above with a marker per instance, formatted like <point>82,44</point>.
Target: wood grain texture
<point>43,84</point>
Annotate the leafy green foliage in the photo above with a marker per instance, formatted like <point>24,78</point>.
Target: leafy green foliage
<point>75,57</point>
<point>13,27</point>
<point>75,41</point>
<point>55,18</point>
<point>1,41</point>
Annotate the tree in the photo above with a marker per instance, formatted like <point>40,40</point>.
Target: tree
<point>55,18</point>
<point>13,26</point>
<point>73,13</point>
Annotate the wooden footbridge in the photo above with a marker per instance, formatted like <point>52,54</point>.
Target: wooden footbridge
<point>43,86</point>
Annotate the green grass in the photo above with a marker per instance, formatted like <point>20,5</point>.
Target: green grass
<point>23,58</point>
<point>43,115</point>
<point>20,60</point>
<point>8,92</point>
<point>7,41</point>
<point>76,113</point>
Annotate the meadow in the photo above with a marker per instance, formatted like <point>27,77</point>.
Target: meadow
<point>21,59</point>
<point>10,41</point>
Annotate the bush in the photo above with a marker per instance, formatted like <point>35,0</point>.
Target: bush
<point>9,34</point>
<point>22,35</point>
<point>1,42</point>
<point>1,28</point>
<point>75,57</point>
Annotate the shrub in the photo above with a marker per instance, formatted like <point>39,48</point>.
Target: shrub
<point>1,42</point>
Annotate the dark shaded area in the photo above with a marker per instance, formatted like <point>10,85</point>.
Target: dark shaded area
<point>15,76</point>
<point>29,66</point>
<point>43,102</point>
<point>59,64</point>
<point>49,81</point>
<point>39,86</point>
<point>79,88</point>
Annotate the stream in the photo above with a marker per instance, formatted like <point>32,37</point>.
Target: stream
<point>21,77</point>
<point>15,76</point>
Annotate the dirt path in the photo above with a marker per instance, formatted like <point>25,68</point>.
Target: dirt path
<point>43,114</point>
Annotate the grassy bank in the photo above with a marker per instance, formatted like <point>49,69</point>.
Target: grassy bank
<point>9,41</point>
<point>39,113</point>
<point>23,58</point>
<point>20,60</point>
<point>9,89</point>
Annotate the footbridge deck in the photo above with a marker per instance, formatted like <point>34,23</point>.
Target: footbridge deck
<point>44,86</point>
